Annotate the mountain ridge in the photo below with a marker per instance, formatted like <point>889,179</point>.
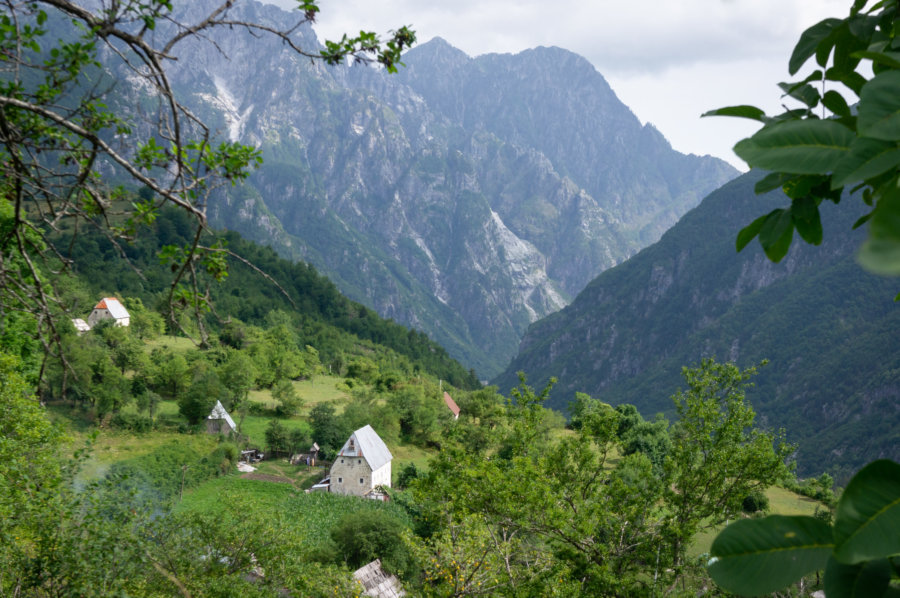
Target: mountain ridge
<point>823,323</point>
<point>467,231</point>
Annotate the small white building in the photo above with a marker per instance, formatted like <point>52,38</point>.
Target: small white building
<point>378,584</point>
<point>80,326</point>
<point>363,465</point>
<point>109,308</point>
<point>219,422</point>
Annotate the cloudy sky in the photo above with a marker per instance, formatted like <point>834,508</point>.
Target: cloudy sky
<point>668,60</point>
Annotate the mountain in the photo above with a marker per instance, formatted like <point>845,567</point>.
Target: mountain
<point>828,328</point>
<point>466,197</point>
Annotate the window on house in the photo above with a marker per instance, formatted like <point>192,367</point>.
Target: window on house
<point>358,461</point>
<point>340,480</point>
<point>360,480</point>
<point>342,460</point>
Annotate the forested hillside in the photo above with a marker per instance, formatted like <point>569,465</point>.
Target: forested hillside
<point>257,284</point>
<point>826,327</point>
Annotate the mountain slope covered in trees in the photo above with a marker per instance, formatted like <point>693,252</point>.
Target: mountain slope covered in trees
<point>466,197</point>
<point>827,328</point>
<point>324,318</point>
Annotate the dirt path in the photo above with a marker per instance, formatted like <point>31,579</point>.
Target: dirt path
<point>281,477</point>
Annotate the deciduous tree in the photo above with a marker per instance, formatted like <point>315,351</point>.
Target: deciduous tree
<point>717,456</point>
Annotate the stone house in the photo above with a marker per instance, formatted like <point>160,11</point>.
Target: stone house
<point>362,465</point>
<point>109,308</point>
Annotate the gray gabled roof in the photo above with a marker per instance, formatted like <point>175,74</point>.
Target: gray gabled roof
<point>367,444</point>
<point>218,412</point>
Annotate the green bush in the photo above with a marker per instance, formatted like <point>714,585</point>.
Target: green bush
<point>755,502</point>
<point>132,422</point>
<point>364,536</point>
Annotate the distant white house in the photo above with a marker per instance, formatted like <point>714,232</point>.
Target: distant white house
<point>109,308</point>
<point>218,421</point>
<point>363,465</point>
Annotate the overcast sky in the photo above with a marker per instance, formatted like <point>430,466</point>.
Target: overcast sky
<point>667,60</point>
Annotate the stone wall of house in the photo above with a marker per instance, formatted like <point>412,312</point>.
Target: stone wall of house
<point>352,475</point>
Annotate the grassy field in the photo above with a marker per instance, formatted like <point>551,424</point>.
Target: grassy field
<point>254,427</point>
<point>112,446</point>
<point>406,454</point>
<point>781,502</point>
<point>321,389</point>
<point>178,344</point>
<point>312,515</point>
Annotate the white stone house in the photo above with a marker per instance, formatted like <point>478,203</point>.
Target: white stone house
<point>218,421</point>
<point>109,308</point>
<point>363,465</point>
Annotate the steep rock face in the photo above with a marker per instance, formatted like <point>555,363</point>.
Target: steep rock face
<point>465,197</point>
<point>827,327</point>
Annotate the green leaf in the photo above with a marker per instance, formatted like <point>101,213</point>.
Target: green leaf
<point>879,107</point>
<point>891,59</point>
<point>835,102</point>
<point>801,147</point>
<point>776,234</point>
<point>851,79</point>
<point>867,519</point>
<point>866,580</point>
<point>749,232</point>
<point>758,556</point>
<point>805,215</point>
<point>744,111</point>
<point>803,92</point>
<point>862,220</point>
<point>772,181</point>
<point>867,158</point>
<point>808,42</point>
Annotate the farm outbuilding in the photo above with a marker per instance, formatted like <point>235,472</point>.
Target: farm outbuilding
<point>362,465</point>
<point>376,583</point>
<point>219,422</point>
<point>80,326</point>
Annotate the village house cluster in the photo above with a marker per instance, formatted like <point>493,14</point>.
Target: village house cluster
<point>109,308</point>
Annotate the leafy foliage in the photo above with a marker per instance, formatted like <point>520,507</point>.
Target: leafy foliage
<point>855,552</point>
<point>814,158</point>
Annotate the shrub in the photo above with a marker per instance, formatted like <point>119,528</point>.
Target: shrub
<point>132,422</point>
<point>755,502</point>
<point>365,536</point>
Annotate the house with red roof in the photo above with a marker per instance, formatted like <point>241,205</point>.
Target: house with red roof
<point>109,308</point>
<point>451,405</point>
